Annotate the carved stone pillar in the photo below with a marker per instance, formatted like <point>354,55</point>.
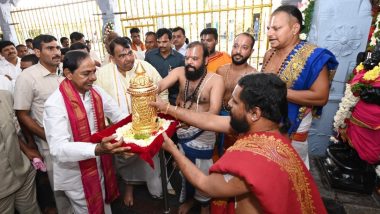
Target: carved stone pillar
<point>342,27</point>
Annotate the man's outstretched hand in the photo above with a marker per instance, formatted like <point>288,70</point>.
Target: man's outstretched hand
<point>168,144</point>
<point>159,104</point>
<point>107,147</point>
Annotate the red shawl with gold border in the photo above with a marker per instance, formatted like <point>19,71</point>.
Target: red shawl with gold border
<point>82,133</point>
<point>274,172</point>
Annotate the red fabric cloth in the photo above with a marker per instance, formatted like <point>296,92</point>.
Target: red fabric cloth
<point>145,153</point>
<point>82,133</point>
<point>363,131</point>
<point>274,172</point>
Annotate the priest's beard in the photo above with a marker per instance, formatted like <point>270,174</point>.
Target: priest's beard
<point>241,61</point>
<point>240,125</point>
<point>194,74</point>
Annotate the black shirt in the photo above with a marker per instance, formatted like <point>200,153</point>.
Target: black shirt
<point>165,65</point>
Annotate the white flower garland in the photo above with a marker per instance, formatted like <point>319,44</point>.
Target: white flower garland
<point>346,106</point>
<point>303,6</point>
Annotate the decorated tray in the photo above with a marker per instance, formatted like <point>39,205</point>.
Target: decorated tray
<point>145,148</point>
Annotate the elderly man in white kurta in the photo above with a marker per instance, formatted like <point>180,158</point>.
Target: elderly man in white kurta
<point>75,111</point>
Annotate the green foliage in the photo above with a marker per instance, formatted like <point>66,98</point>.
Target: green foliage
<point>308,17</point>
<point>141,136</point>
<point>358,87</point>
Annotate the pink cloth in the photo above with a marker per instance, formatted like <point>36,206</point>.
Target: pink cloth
<point>365,139</point>
<point>363,129</point>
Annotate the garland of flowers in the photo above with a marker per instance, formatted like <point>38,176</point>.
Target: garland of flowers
<point>361,88</point>
<point>108,28</point>
<point>307,9</point>
<point>374,31</point>
<point>344,112</point>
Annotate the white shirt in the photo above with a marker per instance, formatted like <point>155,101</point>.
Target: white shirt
<point>6,84</point>
<point>7,68</point>
<point>66,153</point>
<point>182,50</point>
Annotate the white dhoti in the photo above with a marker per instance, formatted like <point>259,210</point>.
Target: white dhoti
<point>301,147</point>
<point>198,146</point>
<point>134,170</point>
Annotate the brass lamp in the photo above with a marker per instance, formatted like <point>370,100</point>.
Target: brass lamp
<point>143,91</point>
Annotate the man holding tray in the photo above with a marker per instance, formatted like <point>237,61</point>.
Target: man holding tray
<point>261,172</point>
<point>199,91</point>
<point>76,110</point>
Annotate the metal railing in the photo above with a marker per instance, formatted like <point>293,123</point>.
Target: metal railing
<point>60,20</point>
<point>230,17</point>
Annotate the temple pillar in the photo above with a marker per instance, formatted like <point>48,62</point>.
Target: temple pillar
<point>342,27</point>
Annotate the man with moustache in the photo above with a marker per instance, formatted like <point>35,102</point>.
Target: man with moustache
<point>261,172</point>
<point>114,78</point>
<point>10,65</point>
<point>33,86</point>
<point>22,50</point>
<point>209,37</point>
<point>231,73</point>
<point>306,69</point>
<point>150,41</point>
<point>65,43</point>
<point>200,91</point>
<point>75,111</point>
<point>165,59</point>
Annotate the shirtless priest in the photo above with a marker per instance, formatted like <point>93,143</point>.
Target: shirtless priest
<point>199,91</point>
<point>231,73</point>
<point>261,172</point>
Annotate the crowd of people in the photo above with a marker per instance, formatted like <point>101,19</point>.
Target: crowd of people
<point>241,145</point>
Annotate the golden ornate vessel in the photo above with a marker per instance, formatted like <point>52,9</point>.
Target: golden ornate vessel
<point>143,91</point>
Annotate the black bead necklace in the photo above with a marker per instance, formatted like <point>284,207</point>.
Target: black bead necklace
<point>194,94</point>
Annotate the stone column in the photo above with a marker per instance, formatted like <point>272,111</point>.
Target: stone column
<point>6,19</point>
<point>342,27</point>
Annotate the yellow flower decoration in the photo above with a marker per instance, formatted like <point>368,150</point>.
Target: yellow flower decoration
<point>372,75</point>
<point>360,67</point>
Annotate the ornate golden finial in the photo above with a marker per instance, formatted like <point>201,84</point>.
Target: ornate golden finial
<point>143,91</point>
<point>141,80</point>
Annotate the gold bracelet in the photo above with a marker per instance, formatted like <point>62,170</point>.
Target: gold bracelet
<point>167,108</point>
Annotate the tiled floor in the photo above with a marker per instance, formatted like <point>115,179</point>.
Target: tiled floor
<point>145,204</point>
<point>339,202</point>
